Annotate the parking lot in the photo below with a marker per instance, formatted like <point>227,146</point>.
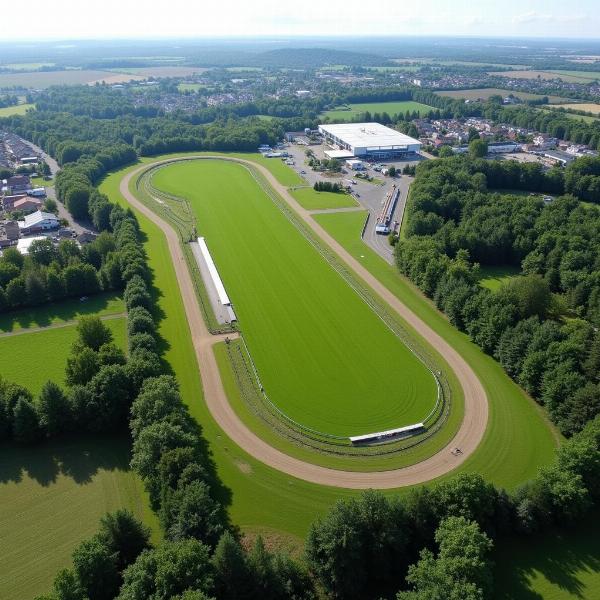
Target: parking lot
<point>370,195</point>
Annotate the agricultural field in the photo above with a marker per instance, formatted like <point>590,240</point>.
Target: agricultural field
<point>313,200</point>
<point>567,76</point>
<point>263,500</point>
<point>27,66</point>
<point>321,352</point>
<point>52,497</point>
<point>162,71</point>
<point>485,93</point>
<point>44,79</point>
<point>559,564</point>
<point>352,111</point>
<point>585,106</point>
<point>461,63</point>
<point>32,357</point>
<point>19,109</point>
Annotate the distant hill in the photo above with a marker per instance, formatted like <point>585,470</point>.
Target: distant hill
<point>299,58</point>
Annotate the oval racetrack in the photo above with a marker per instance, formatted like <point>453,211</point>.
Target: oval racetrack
<point>467,438</point>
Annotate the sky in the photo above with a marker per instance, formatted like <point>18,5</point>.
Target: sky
<point>81,19</point>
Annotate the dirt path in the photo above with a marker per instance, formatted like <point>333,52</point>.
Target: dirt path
<point>467,438</point>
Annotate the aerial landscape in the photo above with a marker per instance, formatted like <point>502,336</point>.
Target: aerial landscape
<point>300,302</point>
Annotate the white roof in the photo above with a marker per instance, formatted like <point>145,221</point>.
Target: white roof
<point>214,274</point>
<point>24,243</point>
<point>37,217</point>
<point>388,433</point>
<point>364,135</point>
<point>338,153</point>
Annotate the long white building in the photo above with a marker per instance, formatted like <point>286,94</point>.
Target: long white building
<point>369,140</point>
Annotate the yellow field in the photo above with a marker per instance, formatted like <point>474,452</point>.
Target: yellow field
<point>568,76</point>
<point>585,106</point>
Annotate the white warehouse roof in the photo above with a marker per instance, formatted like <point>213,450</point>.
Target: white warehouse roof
<point>368,135</point>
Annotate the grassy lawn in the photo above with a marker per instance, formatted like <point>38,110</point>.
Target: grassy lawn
<point>190,87</point>
<point>519,438</point>
<point>321,352</point>
<point>68,310</point>
<point>313,200</point>
<point>52,497</point>
<point>261,499</point>
<point>351,111</point>
<point>556,565</point>
<point>493,277</point>
<point>41,182</point>
<point>31,359</point>
<point>19,109</point>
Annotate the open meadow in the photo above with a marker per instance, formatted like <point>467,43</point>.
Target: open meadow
<point>19,109</point>
<point>353,111</point>
<point>558,564</point>
<point>52,497</point>
<point>485,93</point>
<point>322,354</point>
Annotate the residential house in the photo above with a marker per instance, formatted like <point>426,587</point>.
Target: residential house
<point>8,202</point>
<point>27,204</point>
<point>16,184</point>
<point>9,233</point>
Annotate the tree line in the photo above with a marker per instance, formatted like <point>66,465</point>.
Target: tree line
<point>455,226</point>
<point>50,273</point>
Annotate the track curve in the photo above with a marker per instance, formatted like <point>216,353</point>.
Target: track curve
<point>467,438</point>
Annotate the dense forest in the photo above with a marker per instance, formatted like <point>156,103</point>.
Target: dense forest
<point>541,326</point>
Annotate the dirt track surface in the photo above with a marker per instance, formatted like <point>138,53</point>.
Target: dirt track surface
<point>475,418</point>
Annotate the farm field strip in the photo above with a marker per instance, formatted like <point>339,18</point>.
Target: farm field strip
<point>314,342</point>
<point>485,93</point>
<point>585,106</point>
<point>392,108</point>
<point>568,76</point>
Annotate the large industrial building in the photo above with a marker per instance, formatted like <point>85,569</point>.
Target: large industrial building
<point>368,140</point>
